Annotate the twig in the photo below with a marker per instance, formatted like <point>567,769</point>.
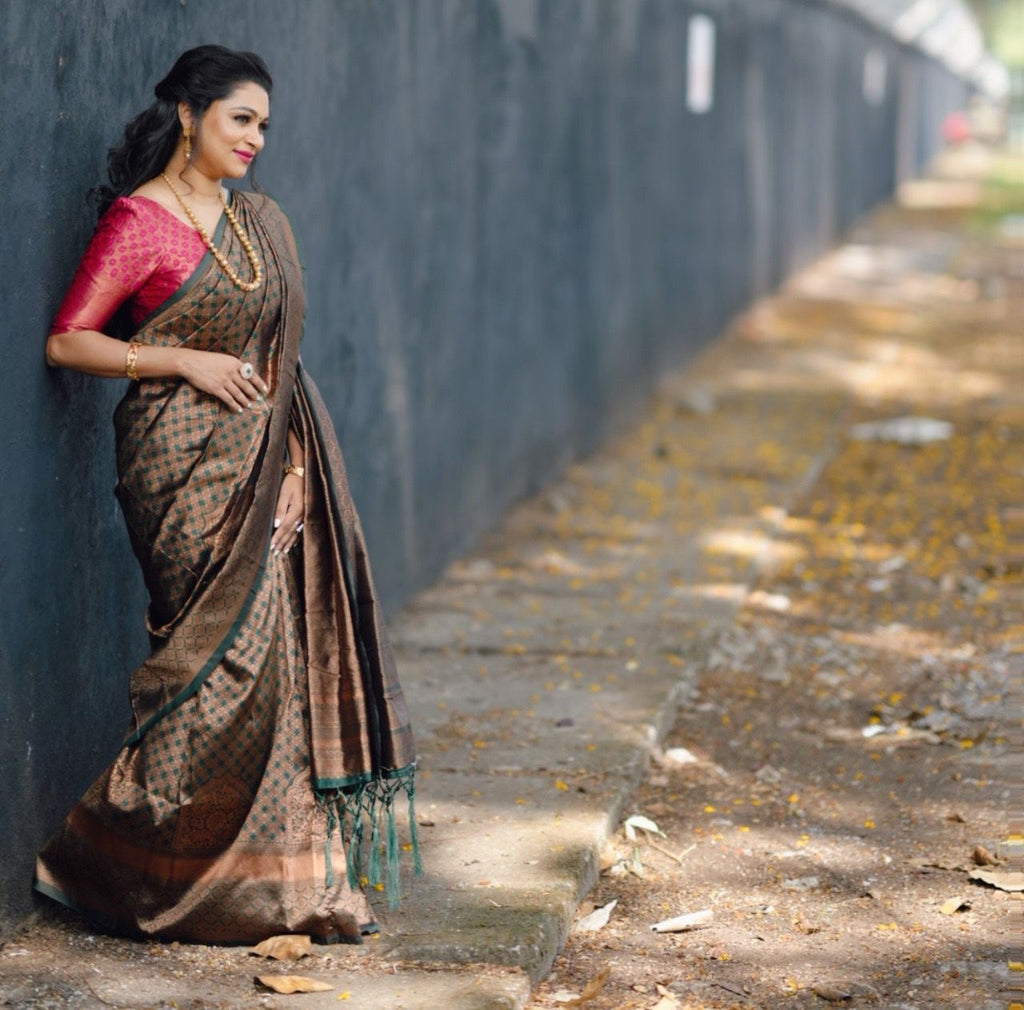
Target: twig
<point>671,855</point>
<point>729,988</point>
<point>98,996</point>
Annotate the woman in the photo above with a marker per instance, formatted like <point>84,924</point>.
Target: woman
<point>268,720</point>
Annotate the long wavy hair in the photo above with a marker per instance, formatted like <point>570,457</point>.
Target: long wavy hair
<point>199,77</point>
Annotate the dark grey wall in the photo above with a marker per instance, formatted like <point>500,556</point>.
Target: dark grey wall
<point>511,226</point>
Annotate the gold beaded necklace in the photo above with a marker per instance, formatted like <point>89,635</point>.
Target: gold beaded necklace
<point>257,269</point>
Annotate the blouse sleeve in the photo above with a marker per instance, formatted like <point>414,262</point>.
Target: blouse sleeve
<point>119,260</point>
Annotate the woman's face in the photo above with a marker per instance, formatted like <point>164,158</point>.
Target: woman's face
<point>231,133</point>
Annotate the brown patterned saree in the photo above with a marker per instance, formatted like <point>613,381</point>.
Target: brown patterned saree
<point>268,723</point>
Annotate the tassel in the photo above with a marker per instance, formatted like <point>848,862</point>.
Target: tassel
<point>348,832</point>
<point>375,850</point>
<point>357,843</point>
<point>414,835</point>
<point>332,823</point>
<point>394,885</point>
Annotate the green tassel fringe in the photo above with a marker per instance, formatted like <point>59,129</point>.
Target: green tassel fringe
<point>349,810</point>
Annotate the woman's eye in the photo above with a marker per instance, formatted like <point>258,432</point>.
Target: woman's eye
<point>242,118</point>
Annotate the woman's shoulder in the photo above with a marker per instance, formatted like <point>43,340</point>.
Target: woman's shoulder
<point>272,213</point>
<point>263,203</point>
<point>132,213</point>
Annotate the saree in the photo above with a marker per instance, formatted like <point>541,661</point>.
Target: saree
<point>268,726</point>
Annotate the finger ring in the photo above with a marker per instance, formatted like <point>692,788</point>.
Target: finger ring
<point>248,371</point>
<point>299,527</point>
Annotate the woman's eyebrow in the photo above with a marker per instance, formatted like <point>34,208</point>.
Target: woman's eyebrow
<point>251,110</point>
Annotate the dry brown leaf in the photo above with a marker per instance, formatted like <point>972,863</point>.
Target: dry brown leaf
<point>591,990</point>
<point>1005,880</point>
<point>952,905</point>
<point>661,809</point>
<point>832,993</point>
<point>287,947</point>
<point>288,984</point>
<point>804,926</point>
<point>982,857</point>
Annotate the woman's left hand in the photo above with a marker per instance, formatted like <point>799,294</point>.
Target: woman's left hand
<point>288,518</point>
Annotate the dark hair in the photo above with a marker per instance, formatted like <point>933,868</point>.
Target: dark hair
<point>199,77</point>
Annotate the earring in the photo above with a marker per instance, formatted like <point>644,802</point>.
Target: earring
<point>187,135</point>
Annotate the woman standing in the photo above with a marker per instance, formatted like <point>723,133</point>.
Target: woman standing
<point>268,721</point>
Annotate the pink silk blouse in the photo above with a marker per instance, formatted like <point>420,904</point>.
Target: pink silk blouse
<point>140,253</point>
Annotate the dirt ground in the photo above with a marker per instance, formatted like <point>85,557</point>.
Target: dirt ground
<point>852,753</point>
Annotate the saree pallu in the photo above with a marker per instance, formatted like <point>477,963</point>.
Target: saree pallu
<point>268,725</point>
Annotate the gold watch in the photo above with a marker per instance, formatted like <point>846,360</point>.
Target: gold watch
<point>299,471</point>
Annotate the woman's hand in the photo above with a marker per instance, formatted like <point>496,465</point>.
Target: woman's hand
<point>288,518</point>
<point>220,375</point>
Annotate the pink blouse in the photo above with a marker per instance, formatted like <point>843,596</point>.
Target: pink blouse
<point>140,253</point>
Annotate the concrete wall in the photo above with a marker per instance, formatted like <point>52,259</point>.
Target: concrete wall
<point>511,225</point>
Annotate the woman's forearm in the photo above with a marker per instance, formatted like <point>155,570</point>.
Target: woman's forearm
<point>296,456</point>
<point>97,354</point>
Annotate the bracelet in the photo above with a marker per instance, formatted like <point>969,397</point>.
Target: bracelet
<point>129,361</point>
<point>299,471</point>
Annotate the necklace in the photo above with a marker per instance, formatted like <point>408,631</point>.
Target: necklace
<point>257,269</point>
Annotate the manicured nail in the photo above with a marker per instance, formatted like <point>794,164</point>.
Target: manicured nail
<point>277,522</point>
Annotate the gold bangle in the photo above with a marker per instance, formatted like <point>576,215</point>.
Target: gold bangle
<point>299,471</point>
<point>129,361</point>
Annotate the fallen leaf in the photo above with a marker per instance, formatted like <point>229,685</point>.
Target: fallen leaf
<point>982,857</point>
<point>1005,880</point>
<point>952,905</point>
<point>644,824</point>
<point>804,926</point>
<point>832,993</point>
<point>681,923</point>
<point>597,919</point>
<point>956,817</point>
<point>288,984</point>
<point>288,947</point>
<point>676,757</point>
<point>591,990</point>
<point>661,809</point>
<point>666,1003</point>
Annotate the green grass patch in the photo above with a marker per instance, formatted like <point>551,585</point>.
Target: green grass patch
<point>1003,193</point>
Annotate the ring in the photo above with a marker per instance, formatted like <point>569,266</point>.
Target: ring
<point>248,371</point>
<point>298,527</point>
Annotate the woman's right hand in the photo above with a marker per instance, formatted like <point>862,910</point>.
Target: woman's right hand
<point>220,375</point>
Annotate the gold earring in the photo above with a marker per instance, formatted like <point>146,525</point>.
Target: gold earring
<point>187,134</point>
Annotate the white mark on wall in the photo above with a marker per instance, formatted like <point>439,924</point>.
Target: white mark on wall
<point>876,70</point>
<point>700,64</point>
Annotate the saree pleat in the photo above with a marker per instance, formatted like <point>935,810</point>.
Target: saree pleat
<point>268,721</point>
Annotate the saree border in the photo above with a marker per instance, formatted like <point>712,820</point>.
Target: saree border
<point>364,661</point>
<point>114,928</point>
<point>192,688</point>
